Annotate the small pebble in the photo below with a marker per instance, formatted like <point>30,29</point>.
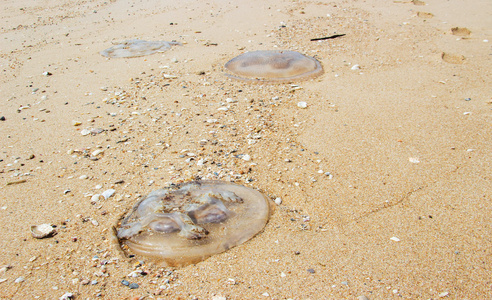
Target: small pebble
<point>395,239</point>
<point>219,298</point>
<point>345,282</point>
<point>133,286</point>
<point>443,294</point>
<point>2,118</point>
<point>94,282</point>
<point>125,282</point>
<point>312,271</point>
<point>278,201</point>
<point>246,157</point>
<point>362,298</point>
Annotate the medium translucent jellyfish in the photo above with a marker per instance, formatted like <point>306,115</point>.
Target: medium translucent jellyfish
<point>189,222</point>
<point>135,48</point>
<point>273,66</point>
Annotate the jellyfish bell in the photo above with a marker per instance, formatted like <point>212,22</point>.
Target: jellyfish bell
<point>136,48</point>
<point>189,222</point>
<point>273,66</point>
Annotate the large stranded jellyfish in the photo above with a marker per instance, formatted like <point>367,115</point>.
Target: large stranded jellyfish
<point>189,222</point>
<point>135,48</point>
<point>273,66</point>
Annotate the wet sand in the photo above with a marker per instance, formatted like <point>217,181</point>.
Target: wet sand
<point>385,176</point>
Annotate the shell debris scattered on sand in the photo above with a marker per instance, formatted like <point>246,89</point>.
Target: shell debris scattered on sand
<point>187,223</point>
<point>273,66</point>
<point>136,48</point>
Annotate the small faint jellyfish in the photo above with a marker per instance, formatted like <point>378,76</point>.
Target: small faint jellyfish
<point>135,48</point>
<point>187,223</point>
<point>273,66</point>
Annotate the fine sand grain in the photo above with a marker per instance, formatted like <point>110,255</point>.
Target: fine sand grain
<point>382,165</point>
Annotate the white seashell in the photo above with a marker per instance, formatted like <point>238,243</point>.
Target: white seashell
<point>19,279</point>
<point>246,157</point>
<point>42,231</point>
<point>108,193</point>
<point>97,197</point>
<point>97,152</point>
<point>302,104</point>
<point>66,296</point>
<point>355,67</point>
<point>85,132</point>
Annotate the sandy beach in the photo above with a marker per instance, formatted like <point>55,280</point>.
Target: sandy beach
<point>384,177</point>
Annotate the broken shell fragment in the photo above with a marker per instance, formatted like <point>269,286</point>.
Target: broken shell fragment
<point>108,193</point>
<point>42,231</point>
<point>273,66</point>
<point>187,223</point>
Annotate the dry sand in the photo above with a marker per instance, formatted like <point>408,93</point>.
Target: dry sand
<point>405,214</point>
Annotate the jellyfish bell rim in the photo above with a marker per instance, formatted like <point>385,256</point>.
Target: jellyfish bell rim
<point>176,254</point>
<point>316,72</point>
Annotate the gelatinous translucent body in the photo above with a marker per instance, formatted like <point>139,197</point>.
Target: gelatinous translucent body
<point>135,48</point>
<point>273,66</point>
<point>190,222</point>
